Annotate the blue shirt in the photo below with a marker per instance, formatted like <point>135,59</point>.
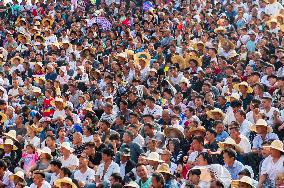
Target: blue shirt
<point>251,46</point>
<point>221,137</point>
<point>235,169</point>
<point>51,76</point>
<point>257,141</point>
<point>146,184</point>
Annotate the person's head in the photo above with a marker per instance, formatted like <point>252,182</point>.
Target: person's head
<point>83,160</point>
<point>141,171</point>
<point>216,184</point>
<point>38,178</point>
<point>50,140</point>
<point>107,155</point>
<point>3,167</point>
<point>234,130</point>
<point>104,125</point>
<point>244,172</point>
<point>55,166</point>
<point>65,172</point>
<point>210,135</point>
<point>166,156</point>
<point>90,148</point>
<point>115,178</point>
<point>158,180</point>
<point>203,159</point>
<point>194,176</point>
<point>77,138</point>
<point>240,116</point>
<point>148,129</point>
<point>197,143</point>
<point>266,102</point>
<point>229,156</point>
<point>128,137</point>
<point>219,126</point>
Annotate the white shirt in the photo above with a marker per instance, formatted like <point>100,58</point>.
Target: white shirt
<point>245,128</point>
<point>45,184</point>
<point>156,111</point>
<point>245,144</point>
<point>272,169</point>
<point>58,113</point>
<point>88,139</point>
<point>122,169</point>
<point>269,114</point>
<point>71,161</point>
<point>35,141</point>
<point>113,168</point>
<point>139,140</point>
<point>273,9</point>
<point>13,92</point>
<point>6,180</point>
<point>192,156</point>
<point>85,177</point>
<point>53,178</point>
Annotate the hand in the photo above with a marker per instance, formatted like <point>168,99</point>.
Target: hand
<point>275,113</point>
<point>280,127</point>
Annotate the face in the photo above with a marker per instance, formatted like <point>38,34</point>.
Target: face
<point>142,171</point>
<point>37,179</point>
<point>227,158</point>
<point>200,161</point>
<point>194,179</point>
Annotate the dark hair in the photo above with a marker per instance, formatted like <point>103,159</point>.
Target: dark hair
<point>159,178</point>
<point>56,163</point>
<point>51,137</point>
<point>231,153</point>
<point>245,172</point>
<point>191,109</point>
<point>236,103</point>
<point>66,171</point>
<point>199,139</point>
<point>218,122</point>
<point>69,118</point>
<point>150,125</point>
<point>116,185</point>
<point>218,183</point>
<point>114,136</point>
<point>108,152</point>
<point>212,131</point>
<point>3,164</point>
<point>124,102</point>
<point>242,113</point>
<point>195,172</point>
<point>90,144</point>
<point>117,177</point>
<point>139,164</point>
<point>207,157</point>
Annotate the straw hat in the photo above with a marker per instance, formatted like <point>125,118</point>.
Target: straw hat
<point>189,58</point>
<point>48,20</point>
<point>216,110</point>
<point>35,128</point>
<point>3,117</point>
<point>36,90</point>
<point>276,144</point>
<point>67,146</point>
<point>39,78</point>
<point>244,179</point>
<point>45,150</point>
<point>164,168</point>
<point>220,29</point>
<point>67,180</point>
<point>65,41</point>
<point>236,96</point>
<point>39,36</point>
<point>261,122</point>
<point>92,50</point>
<point>237,87</point>
<point>199,128</point>
<point>12,134</point>
<point>177,59</point>
<point>19,174</point>
<point>59,100</point>
<point>122,55</point>
<point>229,141</point>
<point>168,131</point>
<point>17,57</point>
<point>184,80</point>
<point>8,142</point>
<point>154,156</point>
<point>132,184</point>
<point>129,52</point>
<point>145,56</point>
<point>273,20</point>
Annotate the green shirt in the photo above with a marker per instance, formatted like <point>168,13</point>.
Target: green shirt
<point>146,184</point>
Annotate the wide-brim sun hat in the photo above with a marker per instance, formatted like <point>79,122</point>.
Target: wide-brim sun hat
<point>35,128</point>
<point>170,130</point>
<point>210,113</point>
<point>17,57</point>
<point>12,134</point>
<point>45,150</point>
<point>20,174</point>
<point>67,146</point>
<point>154,156</point>
<point>142,56</point>
<point>245,179</point>
<point>198,128</point>
<point>67,180</point>
<point>237,87</point>
<point>164,168</point>
<point>231,142</point>
<point>235,96</point>
<point>10,143</point>
<point>58,100</point>
<point>177,59</point>
<point>276,144</point>
<point>263,123</point>
<point>190,57</point>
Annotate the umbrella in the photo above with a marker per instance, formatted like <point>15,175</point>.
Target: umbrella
<point>147,5</point>
<point>221,173</point>
<point>103,23</point>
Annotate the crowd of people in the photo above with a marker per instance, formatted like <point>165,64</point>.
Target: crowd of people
<point>142,94</point>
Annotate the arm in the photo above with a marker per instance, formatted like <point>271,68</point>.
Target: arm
<point>261,180</point>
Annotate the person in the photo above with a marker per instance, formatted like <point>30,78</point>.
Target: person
<point>145,180</point>
<point>38,180</point>
<point>166,157</point>
<point>68,159</point>
<point>84,175</point>
<point>198,147</point>
<point>108,166</point>
<point>169,179</point>
<point>158,180</point>
<point>65,182</point>
<point>55,166</point>
<point>271,165</point>
<point>5,175</point>
<point>231,164</point>
<point>126,164</point>
<point>245,181</point>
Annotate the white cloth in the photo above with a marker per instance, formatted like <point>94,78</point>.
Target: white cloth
<point>156,111</point>
<point>245,128</point>
<point>272,169</point>
<point>269,114</point>
<point>71,161</point>
<point>113,168</point>
<point>6,180</point>
<point>139,140</point>
<point>53,178</point>
<point>45,184</point>
<point>273,9</point>
<point>58,113</point>
<point>86,177</point>
<point>35,141</point>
